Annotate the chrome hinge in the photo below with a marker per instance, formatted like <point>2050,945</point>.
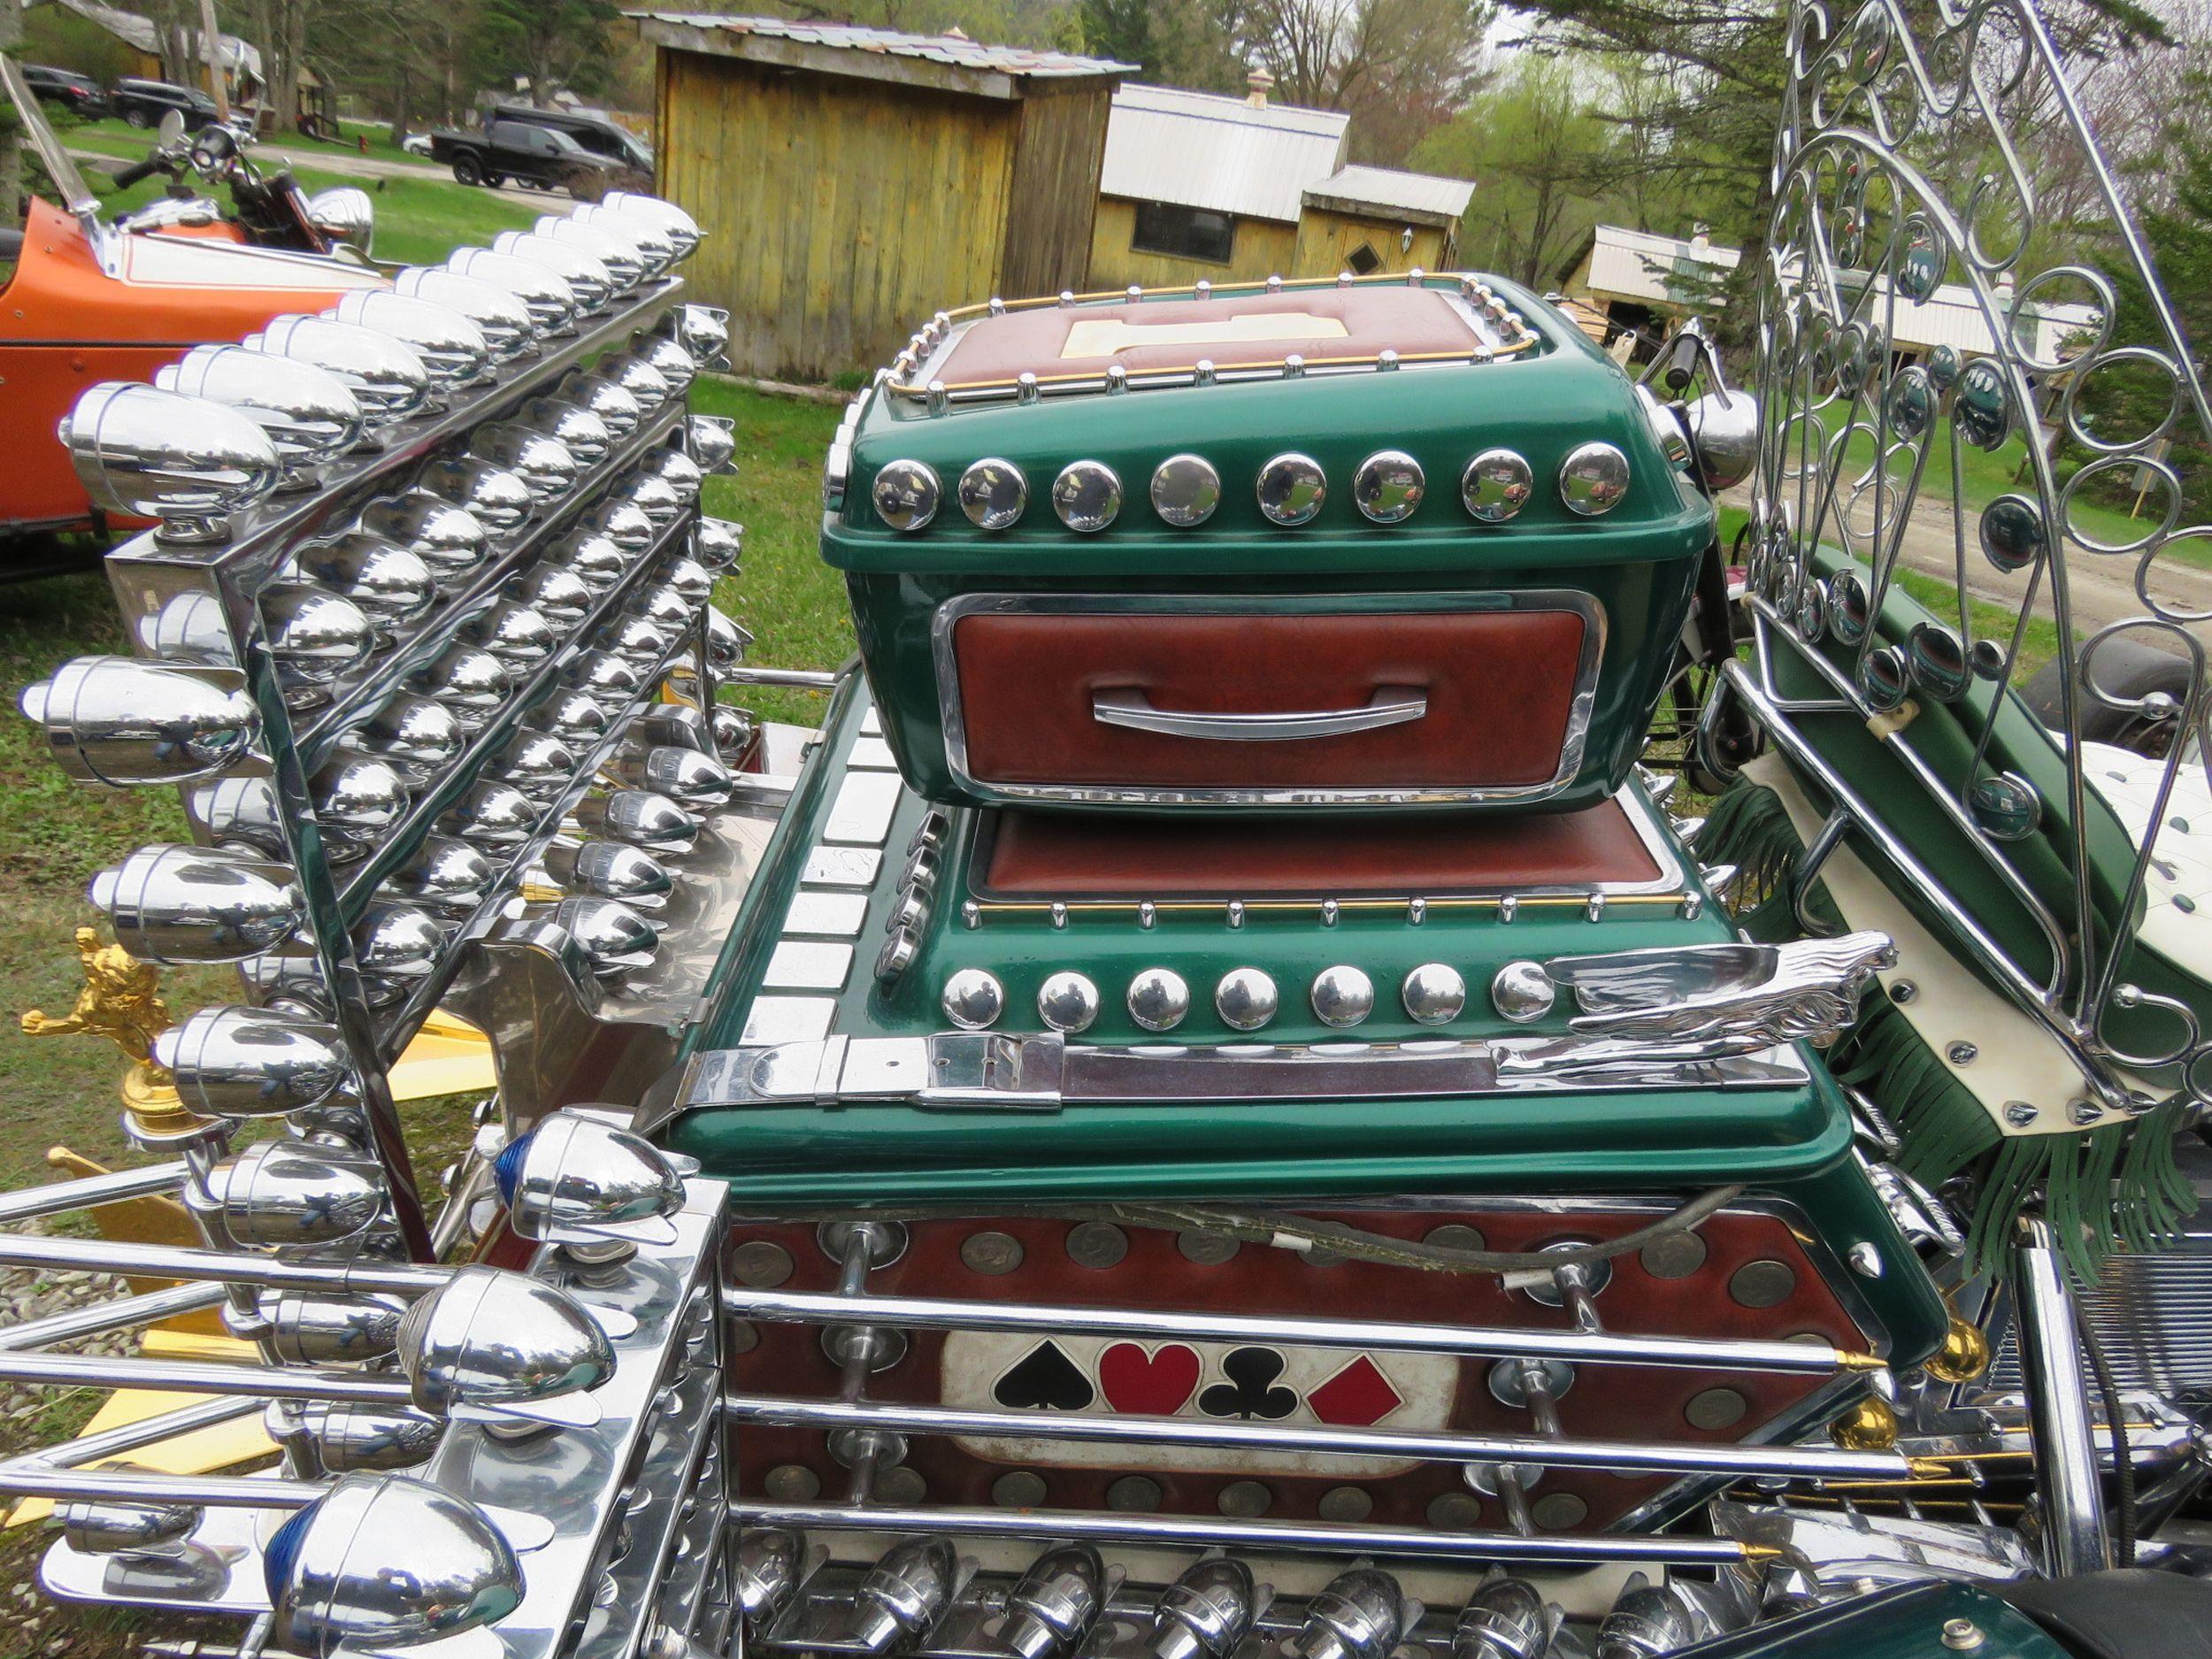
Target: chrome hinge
<point>964,1070</point>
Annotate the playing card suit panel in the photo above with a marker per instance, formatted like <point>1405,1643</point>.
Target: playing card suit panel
<point>1274,1382</point>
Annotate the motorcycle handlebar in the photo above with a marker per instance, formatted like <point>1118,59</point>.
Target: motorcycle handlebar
<point>131,175</point>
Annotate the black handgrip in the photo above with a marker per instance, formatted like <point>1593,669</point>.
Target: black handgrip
<point>131,175</point>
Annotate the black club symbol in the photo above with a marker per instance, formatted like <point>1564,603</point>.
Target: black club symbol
<point>1251,1390</point>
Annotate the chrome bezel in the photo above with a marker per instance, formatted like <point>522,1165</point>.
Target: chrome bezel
<point>992,493</point>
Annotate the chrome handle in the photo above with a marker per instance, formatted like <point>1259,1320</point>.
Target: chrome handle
<point>1389,707</point>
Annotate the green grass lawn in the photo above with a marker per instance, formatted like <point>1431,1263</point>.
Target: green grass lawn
<point>115,136</point>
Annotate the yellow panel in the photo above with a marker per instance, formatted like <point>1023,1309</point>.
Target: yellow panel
<point>1261,248</point>
<point>1326,239</point>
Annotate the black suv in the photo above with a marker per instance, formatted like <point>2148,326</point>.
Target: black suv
<point>80,95</point>
<point>143,104</point>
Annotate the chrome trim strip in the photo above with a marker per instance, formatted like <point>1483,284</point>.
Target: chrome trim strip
<point>1131,709</point>
<point>1580,709</point>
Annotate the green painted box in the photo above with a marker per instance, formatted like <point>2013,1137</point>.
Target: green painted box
<point>1336,545</point>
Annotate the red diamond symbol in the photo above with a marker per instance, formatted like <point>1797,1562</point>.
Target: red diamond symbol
<point>1356,1396</point>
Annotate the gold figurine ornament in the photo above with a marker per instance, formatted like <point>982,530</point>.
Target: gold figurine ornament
<point>121,1001</point>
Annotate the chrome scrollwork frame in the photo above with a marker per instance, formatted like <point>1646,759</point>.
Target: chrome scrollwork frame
<point>1907,154</point>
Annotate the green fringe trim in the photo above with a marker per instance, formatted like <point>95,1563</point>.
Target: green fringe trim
<point>2114,1187</point>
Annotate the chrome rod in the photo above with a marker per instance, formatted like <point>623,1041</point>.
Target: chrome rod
<point>170,1261</point>
<point>2061,1431</point>
<point>204,1377</point>
<point>221,1491</point>
<point>1201,1532</point>
<point>1598,1347</point>
<point>1444,1446</point>
<point>797,679</point>
<point>119,1314</point>
<point>91,1190</point>
<point>128,1437</point>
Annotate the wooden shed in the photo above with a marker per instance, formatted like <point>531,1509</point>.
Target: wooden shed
<point>1369,219</point>
<point>852,182</point>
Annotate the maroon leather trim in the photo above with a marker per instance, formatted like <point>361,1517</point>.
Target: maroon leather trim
<point>1073,855</point>
<point>1366,321</point>
<point>1499,686</point>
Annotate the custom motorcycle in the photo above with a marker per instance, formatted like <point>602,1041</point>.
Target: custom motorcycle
<point>1211,1109</point>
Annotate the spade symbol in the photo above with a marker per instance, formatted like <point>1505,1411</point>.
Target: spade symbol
<point>1045,1377</point>
<point>1250,1391</point>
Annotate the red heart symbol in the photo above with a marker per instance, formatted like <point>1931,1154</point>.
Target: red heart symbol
<point>1154,1385</point>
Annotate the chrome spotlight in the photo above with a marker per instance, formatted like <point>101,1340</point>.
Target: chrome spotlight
<point>665,608</point>
<point>683,775</point>
<point>309,416</point>
<point>198,903</point>
<point>655,244</point>
<point>702,330</point>
<point>1054,1606</point>
<point>447,538</point>
<point>638,642</point>
<point>156,454</point>
<point>544,464</point>
<point>717,543</point>
<point>388,380</point>
<point>904,1595</point>
<point>250,1062</point>
<point>728,642</point>
<point>471,684</point>
<point>1358,1615</point>
<point>655,497</point>
<point>584,434</point>
<point>240,813</point>
<point>692,580</point>
<point>118,721</point>
<point>638,817</point>
<point>678,472</point>
<point>736,731</point>
<point>280,1194</point>
<point>391,585</point>
<point>538,764</point>
<point>187,627</point>
<point>621,522</point>
<point>499,314</point>
<point>517,635</point>
<point>488,1346</point>
<point>607,679</point>
<point>381,1562</point>
<point>1506,1618</point>
<point>447,876</point>
<point>616,941</point>
<point>1206,1613</point>
<point>616,407</point>
<point>310,1330</point>
<point>627,262</point>
<point>593,558</point>
<point>573,716</point>
<point>548,296</point>
<point>607,871</point>
<point>766,1573</point>
<point>667,359</point>
<point>290,985</point>
<point>127,1529</point>
<point>712,440</point>
<point>589,280</point>
<point>416,737</point>
<point>646,385</point>
<point>1724,432</point>
<point>451,347</point>
<point>398,946</point>
<point>358,799</point>
<point>560,595</point>
<point>495,815</point>
<point>350,1439</point>
<point>346,214</point>
<point>671,220</point>
<point>493,495</point>
<point>677,725</point>
<point>315,636</point>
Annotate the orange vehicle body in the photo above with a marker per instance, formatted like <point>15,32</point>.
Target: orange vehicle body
<point>67,322</point>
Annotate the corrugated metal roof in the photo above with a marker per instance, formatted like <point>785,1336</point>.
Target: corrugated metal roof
<point>1638,265</point>
<point>1197,149</point>
<point>1393,191</point>
<point>954,50</point>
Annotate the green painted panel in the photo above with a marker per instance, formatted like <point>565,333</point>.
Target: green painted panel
<point>1906,1624</point>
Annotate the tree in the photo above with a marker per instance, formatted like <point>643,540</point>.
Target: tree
<point>550,44</point>
<point>1173,42</point>
<point>1398,67</point>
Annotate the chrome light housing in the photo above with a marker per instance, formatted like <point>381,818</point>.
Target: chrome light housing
<point>383,1561</point>
<point>702,330</point>
<point>726,642</point>
<point>493,496</point>
<point>904,1595</point>
<point>451,347</point>
<point>638,817</point>
<point>665,217</point>
<point>683,774</point>
<point>628,263</point>
<point>717,543</point>
<point>617,409</point>
<point>571,717</point>
<point>677,725</point>
<point>448,538</point>
<point>616,941</point>
<point>240,813</point>
<point>489,1345</point>
<point>641,379</point>
<point>469,684</point>
<point>669,360</point>
<point>358,798</point>
<point>398,946</point>
<point>624,523</point>
<point>536,763</point>
<point>712,440</point>
<point>610,680</point>
<point>605,870</point>
<point>547,296</point>
<point>171,903</point>
<point>389,379</point>
<point>345,214</point>
<point>306,1330</point>
<point>655,497</point>
<point>655,246</point>
<point>495,815</point>
<point>644,645</point>
<point>157,454</point>
<point>585,434</point>
<point>292,986</point>
<point>544,464</point>
<point>309,416</point>
<point>282,1195</point>
<point>352,1439</point>
<point>517,635</point>
<point>576,1180</point>
<point>118,721</point>
<point>447,876</point>
<point>678,472</point>
<point>416,737</point>
<point>692,580</point>
<point>664,607</point>
<point>127,1529</point>
<point>1724,431</point>
<point>588,278</point>
<point>593,558</point>
<point>561,595</point>
<point>498,313</point>
<point>250,1062</point>
<point>388,583</point>
<point>315,636</point>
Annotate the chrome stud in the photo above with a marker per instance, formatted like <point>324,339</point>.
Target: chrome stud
<point>1523,992</point>
<point>1592,480</point>
<point>1068,1002</point>
<point>973,999</point>
<point>993,494</point>
<point>1158,999</point>
<point>1435,993</point>
<point>1342,996</point>
<point>1245,999</point>
<point>1292,490</point>
<point>1086,496</point>
<point>1388,487</point>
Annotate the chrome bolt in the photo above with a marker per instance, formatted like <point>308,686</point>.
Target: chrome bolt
<point>1962,1635</point>
<point>1961,1053</point>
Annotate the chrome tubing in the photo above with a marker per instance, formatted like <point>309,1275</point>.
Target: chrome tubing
<point>205,1377</point>
<point>796,679</point>
<point>219,1491</point>
<point>1594,1347</point>
<point>128,1437</point>
<point>1202,1532</point>
<point>1642,1456</point>
<point>2062,1432</point>
<point>171,1261</point>
<point>118,1315</point>
<point>90,1191</point>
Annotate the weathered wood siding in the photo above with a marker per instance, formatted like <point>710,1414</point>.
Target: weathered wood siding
<point>840,213</point>
<point>1058,160</point>
<point>1262,249</point>
<point>1326,239</point>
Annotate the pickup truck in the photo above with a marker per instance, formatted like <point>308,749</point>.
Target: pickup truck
<point>540,156</point>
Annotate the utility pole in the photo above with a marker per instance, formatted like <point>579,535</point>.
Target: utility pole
<point>212,41</point>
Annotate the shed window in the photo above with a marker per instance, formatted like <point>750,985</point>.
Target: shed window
<point>1362,259</point>
<point>1186,233</point>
